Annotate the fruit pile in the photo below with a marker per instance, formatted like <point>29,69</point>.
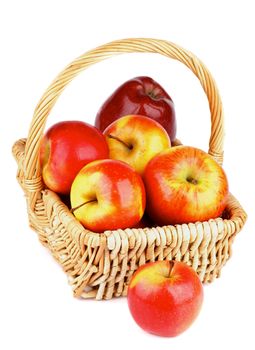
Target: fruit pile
<point>124,172</point>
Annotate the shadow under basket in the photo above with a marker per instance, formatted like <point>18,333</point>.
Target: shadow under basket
<point>100,265</point>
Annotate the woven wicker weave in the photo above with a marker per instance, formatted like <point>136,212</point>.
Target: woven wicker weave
<point>101,265</point>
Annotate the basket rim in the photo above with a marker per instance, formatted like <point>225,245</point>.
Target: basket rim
<point>232,202</point>
<point>107,233</point>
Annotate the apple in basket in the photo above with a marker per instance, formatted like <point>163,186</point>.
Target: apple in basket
<point>165,297</point>
<point>66,147</point>
<point>106,195</point>
<point>141,95</point>
<point>136,139</point>
<point>184,184</point>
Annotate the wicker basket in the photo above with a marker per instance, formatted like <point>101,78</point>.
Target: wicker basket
<point>100,265</point>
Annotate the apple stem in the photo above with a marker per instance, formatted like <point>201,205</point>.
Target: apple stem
<point>171,266</point>
<point>152,94</point>
<point>191,180</point>
<point>121,141</point>
<point>81,205</point>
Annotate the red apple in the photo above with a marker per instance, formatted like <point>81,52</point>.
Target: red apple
<point>107,195</point>
<point>141,95</point>
<point>136,139</point>
<point>184,184</point>
<point>66,147</point>
<point>165,297</point>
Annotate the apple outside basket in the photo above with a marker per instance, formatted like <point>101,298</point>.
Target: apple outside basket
<point>100,265</point>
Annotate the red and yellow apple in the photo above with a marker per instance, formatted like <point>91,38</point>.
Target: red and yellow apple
<point>141,95</point>
<point>107,195</point>
<point>66,147</point>
<point>136,139</point>
<point>184,184</point>
<point>165,297</point>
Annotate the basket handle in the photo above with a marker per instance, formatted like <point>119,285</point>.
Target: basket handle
<point>31,162</point>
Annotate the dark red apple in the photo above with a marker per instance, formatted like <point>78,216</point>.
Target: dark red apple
<point>141,95</point>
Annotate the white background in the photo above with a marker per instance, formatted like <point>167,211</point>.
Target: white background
<point>38,39</point>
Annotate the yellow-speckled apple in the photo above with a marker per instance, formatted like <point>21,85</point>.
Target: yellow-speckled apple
<point>184,184</point>
<point>108,194</point>
<point>136,139</point>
